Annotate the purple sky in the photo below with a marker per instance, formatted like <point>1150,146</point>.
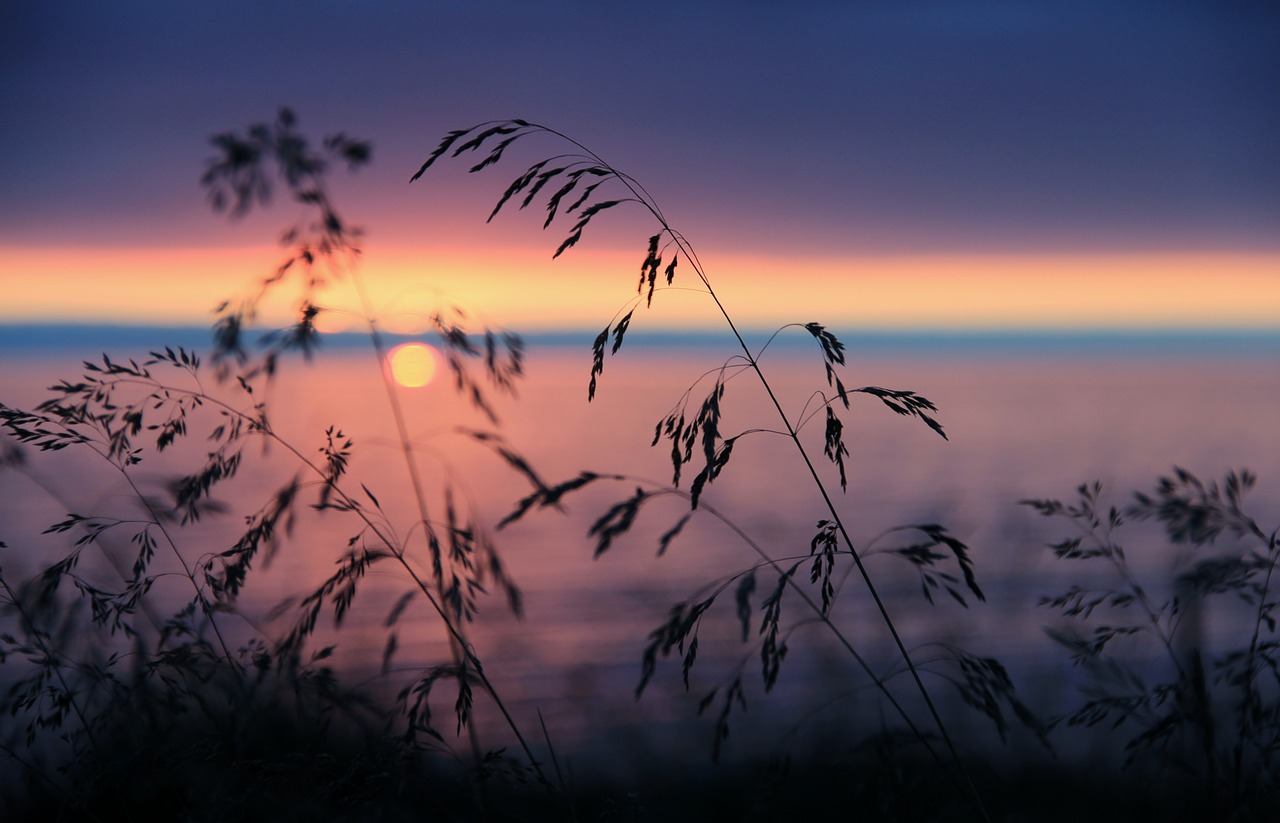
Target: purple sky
<point>842,127</point>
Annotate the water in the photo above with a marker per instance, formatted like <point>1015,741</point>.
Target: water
<point>1023,421</point>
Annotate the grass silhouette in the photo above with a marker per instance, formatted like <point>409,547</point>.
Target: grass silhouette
<point>85,671</point>
<point>579,185</point>
<point>1211,712</point>
<point>137,679</point>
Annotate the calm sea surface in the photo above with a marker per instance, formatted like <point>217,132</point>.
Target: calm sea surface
<point>1022,421</point>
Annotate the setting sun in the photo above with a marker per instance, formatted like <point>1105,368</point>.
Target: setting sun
<point>412,364</point>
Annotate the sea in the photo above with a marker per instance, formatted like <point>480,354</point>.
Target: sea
<point>1027,416</point>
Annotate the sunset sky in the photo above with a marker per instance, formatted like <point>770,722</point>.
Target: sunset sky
<point>867,164</point>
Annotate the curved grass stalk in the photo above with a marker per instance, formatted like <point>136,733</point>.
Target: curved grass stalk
<point>589,163</point>
<point>1194,514</point>
<point>821,616</point>
<point>353,505</point>
<point>1251,659</point>
<point>235,185</point>
<point>53,661</point>
<point>30,428</point>
<point>458,640</point>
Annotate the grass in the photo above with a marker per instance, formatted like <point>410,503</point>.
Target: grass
<point>81,660</point>
<point>1210,711</point>
<point>140,678</point>
<point>578,184</point>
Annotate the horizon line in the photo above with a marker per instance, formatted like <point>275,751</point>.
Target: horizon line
<point>26,336</point>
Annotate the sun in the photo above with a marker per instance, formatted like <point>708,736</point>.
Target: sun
<point>412,364</point>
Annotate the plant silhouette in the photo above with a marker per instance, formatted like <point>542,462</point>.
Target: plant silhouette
<point>1212,711</point>
<point>139,677</point>
<point>237,682</point>
<point>578,185</point>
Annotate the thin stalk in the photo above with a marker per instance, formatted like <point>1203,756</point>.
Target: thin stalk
<point>357,508</point>
<point>155,520</point>
<point>555,762</point>
<point>1190,678</point>
<point>456,644</point>
<point>1250,664</point>
<point>828,622</point>
<point>38,636</point>
<point>204,604</point>
<point>647,201</point>
<point>144,605</point>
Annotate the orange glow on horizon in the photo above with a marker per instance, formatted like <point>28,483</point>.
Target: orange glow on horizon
<point>525,290</point>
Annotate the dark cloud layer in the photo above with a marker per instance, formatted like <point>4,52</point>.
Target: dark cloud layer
<point>871,126</point>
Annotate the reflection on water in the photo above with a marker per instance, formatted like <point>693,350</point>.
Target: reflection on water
<point>1018,427</point>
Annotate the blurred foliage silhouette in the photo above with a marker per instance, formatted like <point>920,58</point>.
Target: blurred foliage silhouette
<point>138,678</point>
<point>1211,712</point>
<point>92,642</point>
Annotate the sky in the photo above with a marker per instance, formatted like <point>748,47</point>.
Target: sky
<point>904,164</point>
